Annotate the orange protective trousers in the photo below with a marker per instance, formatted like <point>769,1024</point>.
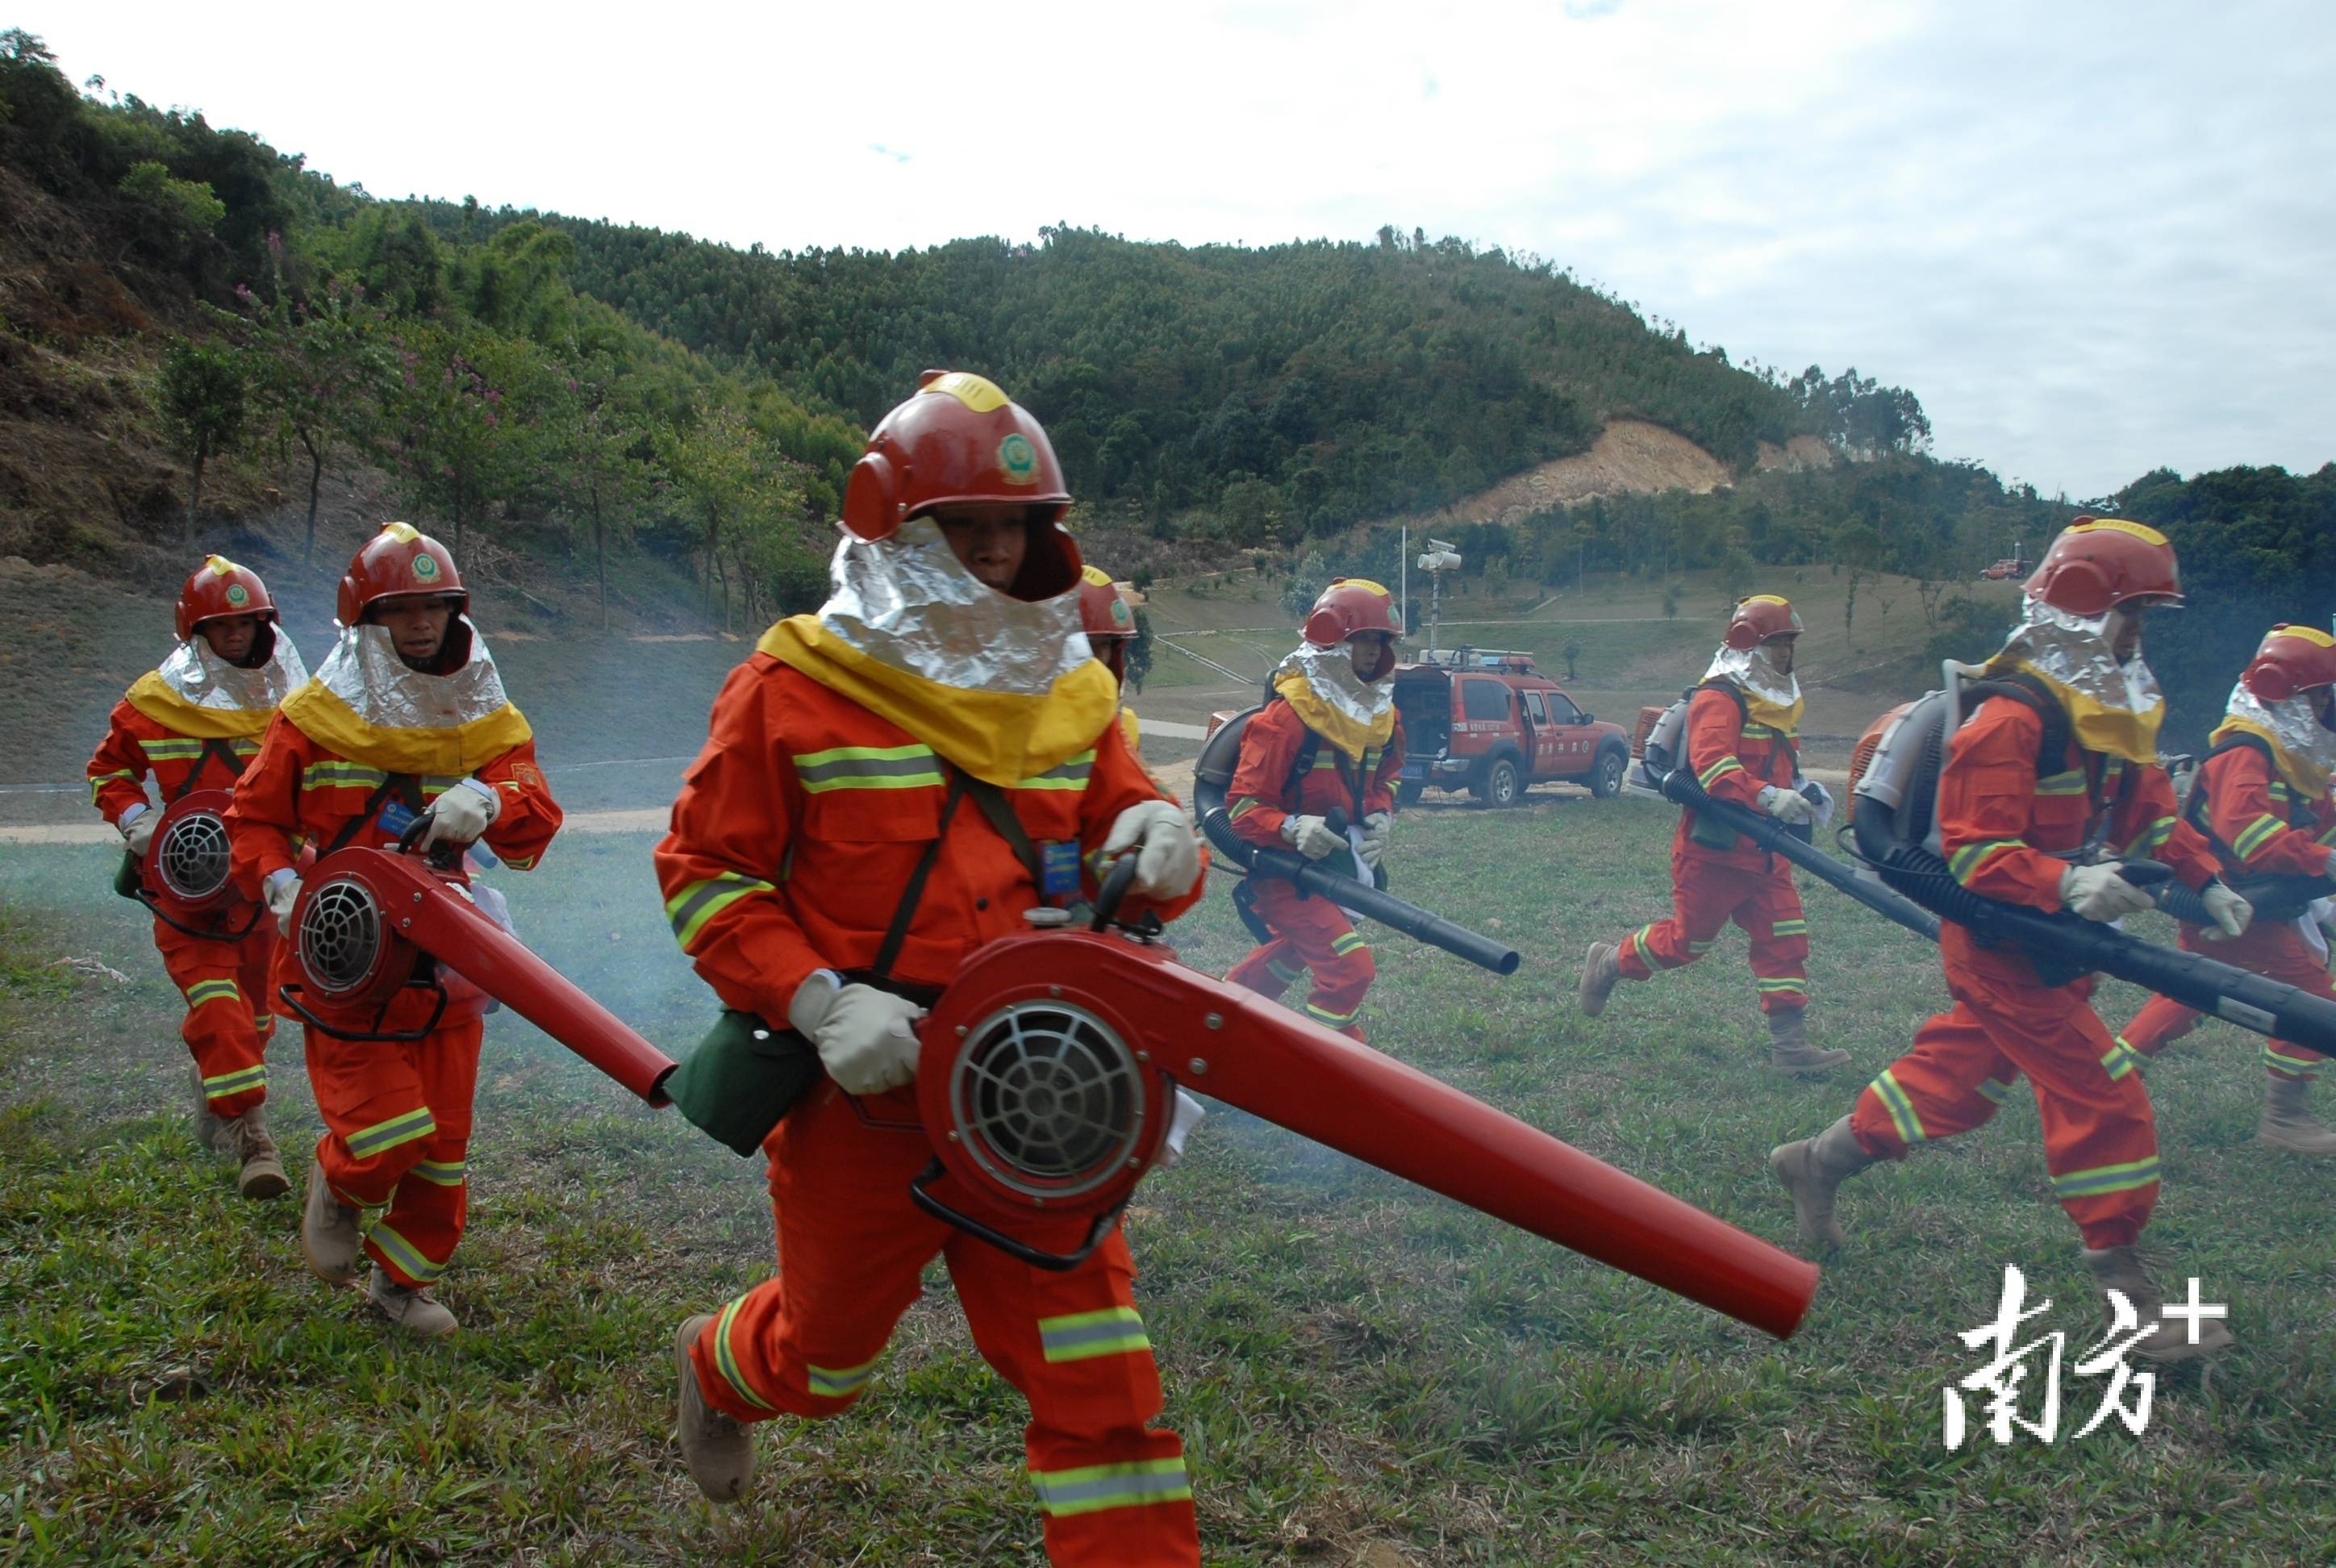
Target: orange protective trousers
<point>227,1022</point>
<point>2101,1136</point>
<point>1706,895</point>
<point>2276,950</point>
<point>397,1129</point>
<point>851,1247</point>
<point>1310,933</point>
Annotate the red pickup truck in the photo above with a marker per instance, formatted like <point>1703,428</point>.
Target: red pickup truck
<point>1486,720</point>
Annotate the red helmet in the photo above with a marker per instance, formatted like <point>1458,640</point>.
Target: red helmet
<point>1103,609</point>
<point>1760,617</point>
<point>399,560</point>
<point>221,587</point>
<point>958,441</point>
<point>2292,660</point>
<point>2098,564</point>
<point>1350,607</point>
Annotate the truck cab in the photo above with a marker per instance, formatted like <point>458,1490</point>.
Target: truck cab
<point>1486,720</point>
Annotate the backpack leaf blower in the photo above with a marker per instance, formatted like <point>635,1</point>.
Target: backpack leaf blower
<point>183,877</point>
<point>1047,1084</point>
<point>1893,827</point>
<point>372,924</point>
<point>1213,772</point>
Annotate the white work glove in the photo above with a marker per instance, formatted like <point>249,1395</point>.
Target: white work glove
<point>1180,1125</point>
<point>1310,837</point>
<point>2231,911</point>
<point>1377,829</point>
<point>462,815</point>
<point>1168,861</point>
<point>866,1037</point>
<point>138,825</point>
<point>1786,805</point>
<point>2101,892</point>
<point>283,892</point>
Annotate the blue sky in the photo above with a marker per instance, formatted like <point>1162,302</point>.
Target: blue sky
<point>2093,238</point>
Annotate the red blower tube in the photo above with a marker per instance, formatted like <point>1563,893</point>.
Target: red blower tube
<point>1230,1044</point>
<point>432,912</point>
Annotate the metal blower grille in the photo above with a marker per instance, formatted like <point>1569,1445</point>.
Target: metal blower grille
<point>192,857</point>
<point>340,936</point>
<point>1051,1102</point>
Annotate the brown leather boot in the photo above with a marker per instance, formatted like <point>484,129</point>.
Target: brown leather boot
<point>2287,1122</point>
<point>1789,1050</point>
<point>1602,970</point>
<point>718,1449</point>
<point>1812,1170</point>
<point>207,1121</point>
<point>2119,1268</point>
<point>410,1311</point>
<point>244,1139</point>
<point>330,1237</point>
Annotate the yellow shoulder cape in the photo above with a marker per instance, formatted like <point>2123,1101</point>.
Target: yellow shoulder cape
<point>319,714</point>
<point>1350,736</point>
<point>998,738</point>
<point>2097,726</point>
<point>151,696</point>
<point>2301,773</point>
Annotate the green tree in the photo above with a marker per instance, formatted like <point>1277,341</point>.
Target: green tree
<point>202,397</point>
<point>321,368</point>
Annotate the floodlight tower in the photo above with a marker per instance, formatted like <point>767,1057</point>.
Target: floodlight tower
<point>1437,559</point>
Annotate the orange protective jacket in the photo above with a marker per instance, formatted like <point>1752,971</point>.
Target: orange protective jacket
<point>135,745</point>
<point>1260,798</point>
<point>801,821</point>
<point>1733,759</point>
<point>297,788</point>
<point>1999,824</point>
<point>2261,824</point>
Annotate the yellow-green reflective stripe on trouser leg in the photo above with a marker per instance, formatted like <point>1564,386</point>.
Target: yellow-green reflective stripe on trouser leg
<point>699,902</point>
<point>2119,1059</point>
<point>1083,1335</point>
<point>2298,1066</point>
<point>726,1363</point>
<point>382,1137</point>
<point>2103,1178</point>
<point>839,1382</point>
<point>225,1086</point>
<point>405,1255</point>
<point>444,1173</point>
<point>204,991</point>
<point>1348,944</point>
<point>1092,1489</point>
<point>1894,1100</point>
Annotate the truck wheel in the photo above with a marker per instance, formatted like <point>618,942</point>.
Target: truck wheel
<point>1606,778</point>
<point>1407,793</point>
<point>1501,785</point>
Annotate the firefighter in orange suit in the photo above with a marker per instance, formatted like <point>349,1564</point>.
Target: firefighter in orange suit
<point>887,785</point>
<point>1740,726</point>
<point>193,723</point>
<point>1330,741</point>
<point>1109,621</point>
<point>2010,831</point>
<point>407,717</point>
<point>2262,798</point>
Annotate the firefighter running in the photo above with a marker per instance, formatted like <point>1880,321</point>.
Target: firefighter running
<point>192,723</point>
<point>2018,827</point>
<point>1741,727</point>
<point>407,717</point>
<point>1109,621</point>
<point>886,786</point>
<point>1329,742</point>
<point>2261,799</point>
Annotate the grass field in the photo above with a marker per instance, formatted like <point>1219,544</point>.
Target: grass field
<point>1361,1372</point>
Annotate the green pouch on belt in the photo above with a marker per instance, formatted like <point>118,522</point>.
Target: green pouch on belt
<point>742,1078</point>
<point>129,876</point>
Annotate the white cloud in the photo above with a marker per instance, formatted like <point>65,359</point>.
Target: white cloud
<point>2093,238</point>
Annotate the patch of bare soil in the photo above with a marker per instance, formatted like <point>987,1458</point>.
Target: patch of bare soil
<point>1630,457</point>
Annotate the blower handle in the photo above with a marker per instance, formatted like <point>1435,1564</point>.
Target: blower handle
<point>1114,892</point>
<point>289,993</point>
<point>155,906</point>
<point>439,857</point>
<point>920,1192</point>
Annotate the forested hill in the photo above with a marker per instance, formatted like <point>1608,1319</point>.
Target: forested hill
<point>1317,382</point>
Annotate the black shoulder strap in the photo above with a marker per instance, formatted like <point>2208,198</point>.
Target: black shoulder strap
<point>1308,750</point>
<point>2198,810</point>
<point>1000,812</point>
<point>215,750</point>
<point>2052,751</point>
<point>406,786</point>
<point>914,892</point>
